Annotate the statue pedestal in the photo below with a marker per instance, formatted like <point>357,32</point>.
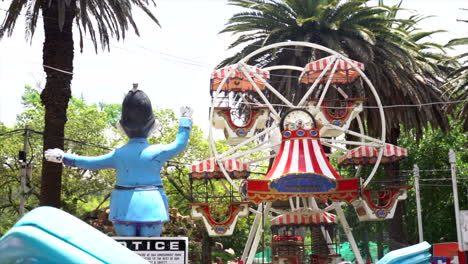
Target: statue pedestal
<point>160,250</point>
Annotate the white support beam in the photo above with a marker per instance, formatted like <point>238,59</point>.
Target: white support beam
<point>258,235</point>
<point>253,232</point>
<point>349,234</point>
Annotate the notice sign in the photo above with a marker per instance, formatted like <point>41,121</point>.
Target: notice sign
<point>158,250</point>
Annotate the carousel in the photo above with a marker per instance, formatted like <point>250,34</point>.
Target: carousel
<point>283,155</point>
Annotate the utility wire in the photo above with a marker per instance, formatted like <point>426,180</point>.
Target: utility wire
<point>11,132</point>
<point>75,141</point>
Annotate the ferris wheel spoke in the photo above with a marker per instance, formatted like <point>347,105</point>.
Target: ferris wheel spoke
<point>356,134</point>
<point>348,142</point>
<point>246,70</point>
<point>261,159</point>
<point>316,82</point>
<point>327,85</point>
<point>236,155</point>
<point>247,141</point>
<point>337,147</point>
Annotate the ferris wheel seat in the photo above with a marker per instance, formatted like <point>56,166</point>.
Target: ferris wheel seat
<point>215,228</point>
<point>235,134</point>
<point>379,205</point>
<point>335,113</point>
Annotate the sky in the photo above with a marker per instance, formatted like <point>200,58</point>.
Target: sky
<point>171,63</point>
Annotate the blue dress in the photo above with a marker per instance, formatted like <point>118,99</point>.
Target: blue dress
<point>139,195</point>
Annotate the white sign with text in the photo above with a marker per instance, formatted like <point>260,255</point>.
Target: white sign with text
<point>160,250</point>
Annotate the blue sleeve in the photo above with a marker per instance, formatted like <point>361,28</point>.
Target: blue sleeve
<point>100,162</point>
<point>168,151</point>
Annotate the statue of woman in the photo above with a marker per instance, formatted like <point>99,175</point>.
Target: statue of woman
<point>138,205</point>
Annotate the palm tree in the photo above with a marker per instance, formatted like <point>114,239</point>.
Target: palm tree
<point>395,62</point>
<point>101,20</point>
<point>458,79</point>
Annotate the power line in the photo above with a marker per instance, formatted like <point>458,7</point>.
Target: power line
<point>75,141</point>
<point>11,132</point>
<point>372,107</point>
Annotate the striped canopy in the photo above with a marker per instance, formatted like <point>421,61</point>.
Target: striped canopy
<point>344,73</point>
<point>221,73</point>
<point>237,82</point>
<point>300,217</point>
<point>368,155</point>
<point>301,153</point>
<point>210,169</point>
<point>301,165</point>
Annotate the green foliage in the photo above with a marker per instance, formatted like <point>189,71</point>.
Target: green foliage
<point>431,155</point>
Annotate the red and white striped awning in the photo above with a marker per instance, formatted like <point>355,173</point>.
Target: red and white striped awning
<point>345,73</point>
<point>321,64</point>
<point>237,73</point>
<point>210,169</point>
<point>368,155</point>
<point>301,155</point>
<point>300,217</point>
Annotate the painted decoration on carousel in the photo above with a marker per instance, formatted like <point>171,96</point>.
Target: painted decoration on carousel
<point>301,167</point>
<point>139,205</point>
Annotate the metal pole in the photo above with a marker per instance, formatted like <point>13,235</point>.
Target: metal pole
<point>23,172</point>
<point>418,202</point>
<point>453,168</point>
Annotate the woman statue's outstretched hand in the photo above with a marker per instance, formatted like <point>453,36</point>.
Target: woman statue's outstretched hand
<point>186,111</point>
<point>54,155</point>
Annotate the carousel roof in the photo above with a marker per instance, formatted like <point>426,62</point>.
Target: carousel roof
<point>301,168</point>
<point>301,153</point>
<point>302,217</point>
<point>210,169</point>
<point>368,155</point>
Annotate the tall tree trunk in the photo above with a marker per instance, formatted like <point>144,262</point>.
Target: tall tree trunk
<point>57,53</point>
<point>398,233</point>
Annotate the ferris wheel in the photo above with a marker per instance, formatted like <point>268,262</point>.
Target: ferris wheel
<point>288,148</point>
<point>239,96</point>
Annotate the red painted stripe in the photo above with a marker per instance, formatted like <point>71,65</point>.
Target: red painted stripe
<point>289,160</point>
<point>315,165</point>
<point>275,164</point>
<point>330,167</point>
<point>301,157</point>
